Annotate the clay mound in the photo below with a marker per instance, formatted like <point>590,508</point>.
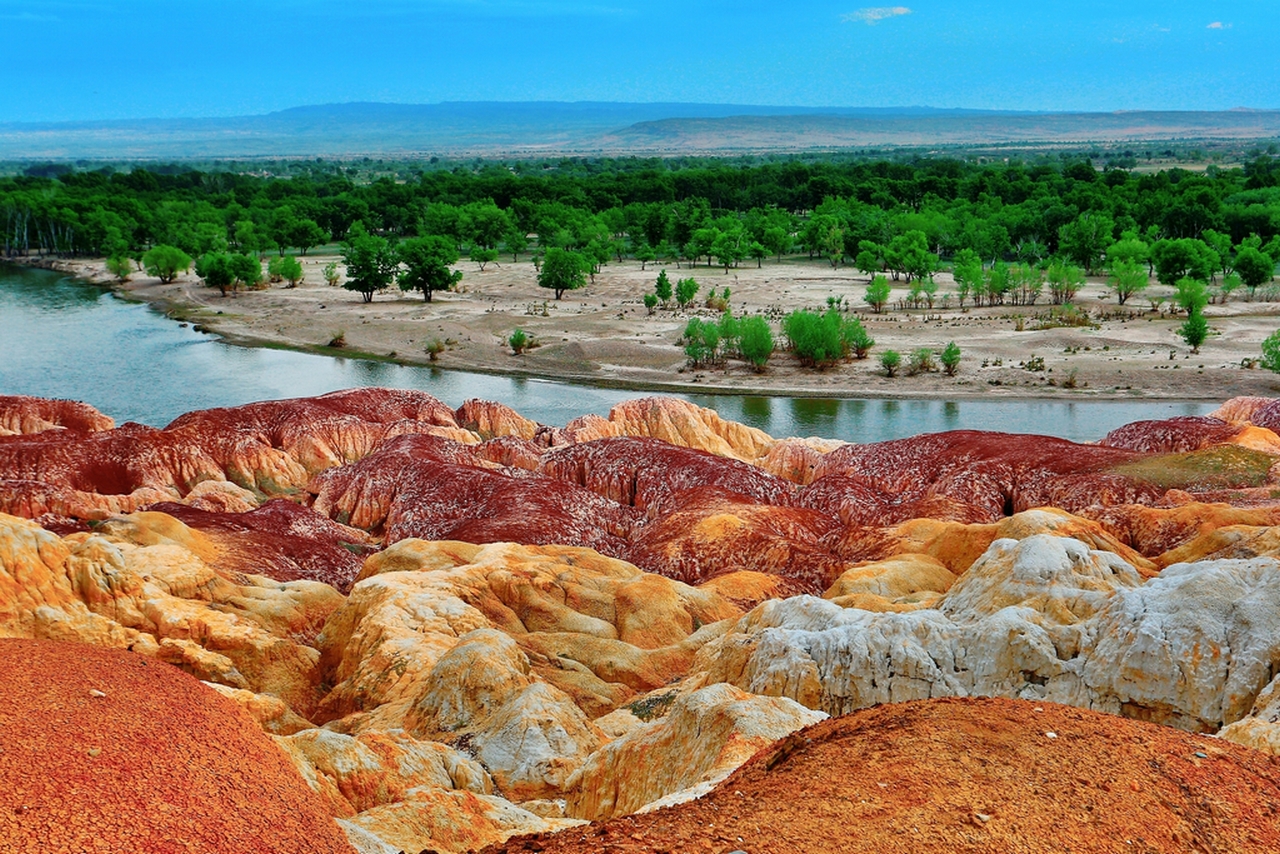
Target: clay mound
<point>109,751</point>
<point>967,775</point>
<point>24,415</point>
<point>1172,435</point>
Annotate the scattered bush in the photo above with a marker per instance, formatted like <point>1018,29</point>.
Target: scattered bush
<point>339,340</point>
<point>856,338</point>
<point>662,288</point>
<point>921,362</point>
<point>650,302</point>
<point>1195,330</point>
<point>331,274</point>
<point>519,341</point>
<point>877,293</point>
<point>701,341</point>
<point>686,290</point>
<point>950,358</point>
<point>120,266</point>
<point>890,360</point>
<point>434,348</point>
<point>285,267</point>
<point>755,341</point>
<point>1271,352</point>
<point>819,340</point>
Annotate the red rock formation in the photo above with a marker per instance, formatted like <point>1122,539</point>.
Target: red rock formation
<point>1173,435</point>
<point>711,536</point>
<point>25,415</point>
<point>970,476</point>
<point>491,420</point>
<point>976,775</point>
<point>426,487</point>
<point>105,750</point>
<point>280,540</point>
<point>651,475</point>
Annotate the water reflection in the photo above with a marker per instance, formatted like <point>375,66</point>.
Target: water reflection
<point>63,338</point>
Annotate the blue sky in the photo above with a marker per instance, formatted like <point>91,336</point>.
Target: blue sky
<point>104,59</point>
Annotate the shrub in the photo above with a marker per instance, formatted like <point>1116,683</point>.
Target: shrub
<point>877,293</point>
<point>701,341</point>
<point>921,362</point>
<point>650,302</point>
<point>339,340</point>
<point>1195,330</point>
<point>755,341</point>
<point>662,287</point>
<point>331,275</point>
<point>889,360</point>
<point>950,358</point>
<point>285,267</point>
<point>1271,352</point>
<point>815,342</point>
<point>856,338</point>
<point>686,290</point>
<point>434,348</point>
<point>730,329</point>
<point>120,266</point>
<point>519,341</point>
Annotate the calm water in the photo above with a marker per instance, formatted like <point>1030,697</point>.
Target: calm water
<point>62,338</point>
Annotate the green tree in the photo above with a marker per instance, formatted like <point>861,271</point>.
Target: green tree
<point>1086,238</point>
<point>247,269</point>
<point>1271,352</point>
<point>519,341</point>
<point>166,263</point>
<point>1128,277</point>
<point>1195,330</point>
<point>371,262</point>
<point>755,341</point>
<point>645,255</point>
<point>950,358</point>
<point>686,290</point>
<point>1192,295</point>
<point>428,265</point>
<point>967,271</point>
<point>285,267</point>
<point>305,234</point>
<point>215,269</point>
<point>650,302</point>
<point>1065,281</point>
<point>877,293</point>
<point>856,338</point>
<point>701,341</point>
<point>562,271</point>
<point>1184,258</point>
<point>890,360</point>
<point>120,266</point>
<point>1254,267</point>
<point>662,288</point>
<point>483,256</point>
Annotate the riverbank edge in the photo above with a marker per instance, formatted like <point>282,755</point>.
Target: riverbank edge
<point>195,314</point>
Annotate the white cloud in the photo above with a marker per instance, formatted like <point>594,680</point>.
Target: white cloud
<point>1218,25</point>
<point>875,14</point>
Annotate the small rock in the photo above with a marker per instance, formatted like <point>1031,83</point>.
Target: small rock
<point>1051,735</point>
<point>1202,755</point>
<point>95,752</point>
<point>94,692</point>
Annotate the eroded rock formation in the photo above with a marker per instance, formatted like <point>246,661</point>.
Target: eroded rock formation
<point>461,625</point>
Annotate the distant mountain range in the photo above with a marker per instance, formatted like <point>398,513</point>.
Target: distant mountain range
<point>547,128</point>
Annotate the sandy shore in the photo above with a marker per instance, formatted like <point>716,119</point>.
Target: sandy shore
<point>603,333</point>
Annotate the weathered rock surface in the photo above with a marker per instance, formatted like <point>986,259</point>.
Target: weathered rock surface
<point>704,736</point>
<point>22,415</point>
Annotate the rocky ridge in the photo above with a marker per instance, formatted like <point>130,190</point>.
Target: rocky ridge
<point>460,625</point>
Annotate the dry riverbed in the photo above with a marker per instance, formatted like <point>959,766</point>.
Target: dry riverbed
<point>604,334</point>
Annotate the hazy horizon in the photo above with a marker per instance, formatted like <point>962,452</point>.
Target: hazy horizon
<point>72,60</point>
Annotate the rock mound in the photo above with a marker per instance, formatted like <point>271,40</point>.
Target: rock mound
<point>104,750</point>
<point>966,775</point>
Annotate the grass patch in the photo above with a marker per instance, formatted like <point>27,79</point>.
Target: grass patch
<point>1221,467</point>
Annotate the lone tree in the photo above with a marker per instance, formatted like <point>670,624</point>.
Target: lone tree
<point>662,288</point>
<point>166,263</point>
<point>1195,330</point>
<point>1255,268</point>
<point>371,262</point>
<point>562,271</point>
<point>1128,277</point>
<point>428,265</point>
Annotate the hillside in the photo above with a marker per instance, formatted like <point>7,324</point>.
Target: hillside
<point>543,128</point>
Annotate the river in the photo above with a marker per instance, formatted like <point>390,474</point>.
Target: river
<point>61,337</point>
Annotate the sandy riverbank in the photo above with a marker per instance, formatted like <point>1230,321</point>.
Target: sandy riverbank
<point>603,333</point>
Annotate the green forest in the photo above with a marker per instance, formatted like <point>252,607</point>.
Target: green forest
<point>902,218</point>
